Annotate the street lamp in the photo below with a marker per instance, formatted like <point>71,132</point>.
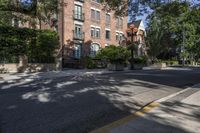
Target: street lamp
<point>132,30</point>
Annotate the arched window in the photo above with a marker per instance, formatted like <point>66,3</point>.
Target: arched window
<point>94,48</point>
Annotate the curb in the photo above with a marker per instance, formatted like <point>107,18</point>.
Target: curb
<point>141,112</point>
<point>125,120</point>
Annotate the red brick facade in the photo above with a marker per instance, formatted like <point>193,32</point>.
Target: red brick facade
<point>139,38</point>
<point>67,21</point>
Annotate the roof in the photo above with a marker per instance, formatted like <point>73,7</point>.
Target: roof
<point>136,23</point>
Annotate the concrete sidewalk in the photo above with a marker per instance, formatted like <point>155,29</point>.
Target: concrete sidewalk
<point>178,113</point>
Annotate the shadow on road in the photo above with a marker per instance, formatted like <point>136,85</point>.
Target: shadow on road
<point>75,104</point>
<point>170,117</point>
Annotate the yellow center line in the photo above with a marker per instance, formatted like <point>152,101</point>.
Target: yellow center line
<point>125,120</point>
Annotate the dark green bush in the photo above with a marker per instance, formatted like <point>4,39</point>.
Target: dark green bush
<point>43,50</point>
<point>38,45</point>
<point>114,54</point>
<point>140,60</point>
<point>91,63</point>
<point>170,62</point>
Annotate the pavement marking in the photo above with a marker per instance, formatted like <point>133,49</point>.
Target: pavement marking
<point>125,120</point>
<point>172,95</point>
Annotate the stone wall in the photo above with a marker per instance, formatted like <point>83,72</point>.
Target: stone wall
<point>24,66</point>
<point>31,67</point>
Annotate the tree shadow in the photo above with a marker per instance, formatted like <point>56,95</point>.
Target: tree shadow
<point>169,117</point>
<point>70,104</point>
<point>78,103</point>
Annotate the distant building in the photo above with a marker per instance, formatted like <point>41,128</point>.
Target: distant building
<point>140,38</point>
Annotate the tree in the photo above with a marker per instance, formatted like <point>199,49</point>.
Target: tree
<point>31,10</point>
<point>174,26</point>
<point>154,38</point>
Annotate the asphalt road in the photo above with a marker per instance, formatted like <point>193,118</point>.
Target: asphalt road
<point>79,104</point>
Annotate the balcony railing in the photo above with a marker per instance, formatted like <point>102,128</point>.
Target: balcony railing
<point>78,36</point>
<point>78,16</point>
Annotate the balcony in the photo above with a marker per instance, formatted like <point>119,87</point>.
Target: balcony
<point>78,36</point>
<point>78,16</point>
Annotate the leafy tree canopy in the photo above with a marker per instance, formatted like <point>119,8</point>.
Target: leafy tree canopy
<point>174,25</point>
<point>139,7</point>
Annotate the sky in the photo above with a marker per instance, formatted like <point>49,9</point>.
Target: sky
<point>144,16</point>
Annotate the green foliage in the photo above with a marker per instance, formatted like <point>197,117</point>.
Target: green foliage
<point>176,19</point>
<point>44,49</point>
<point>34,11</point>
<point>38,45</point>
<point>140,60</point>
<point>170,62</point>
<point>91,63</point>
<point>114,54</point>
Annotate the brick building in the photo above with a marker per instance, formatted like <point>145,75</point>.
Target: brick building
<point>85,27</point>
<point>140,37</point>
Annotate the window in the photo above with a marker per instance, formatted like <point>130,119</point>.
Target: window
<point>78,31</point>
<point>92,32</point>
<point>98,15</point>
<point>95,15</point>
<point>78,12</point>
<point>77,52</point>
<point>95,32</point>
<point>92,14</point>
<point>94,48</point>
<point>98,32</point>
<point>121,37</point>
<point>117,36</point>
<point>98,1</point>
<point>107,20</point>
<point>108,34</point>
<point>119,23</point>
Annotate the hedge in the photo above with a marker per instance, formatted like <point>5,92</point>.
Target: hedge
<point>38,45</point>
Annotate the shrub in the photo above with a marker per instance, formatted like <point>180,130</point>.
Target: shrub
<point>170,62</point>
<point>91,63</point>
<point>43,50</point>
<point>38,45</point>
<point>114,54</point>
<point>140,60</point>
